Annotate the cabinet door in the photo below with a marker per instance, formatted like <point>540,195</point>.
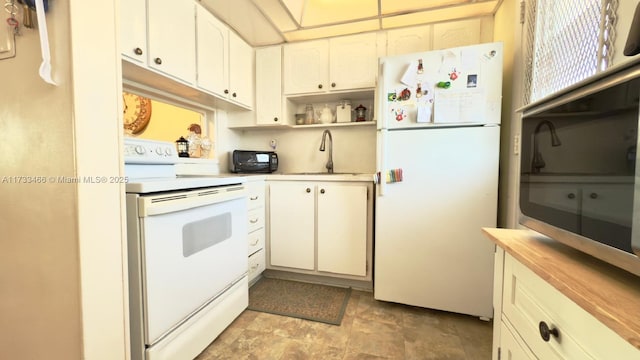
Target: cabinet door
<point>269,86</point>
<point>408,40</point>
<point>306,67</point>
<point>133,34</point>
<point>607,211</point>
<point>342,228</point>
<point>353,62</point>
<point>456,33</point>
<point>292,222</point>
<point>559,203</point>
<point>213,55</point>
<point>240,71</point>
<point>511,347</point>
<point>172,38</point>
<point>608,202</point>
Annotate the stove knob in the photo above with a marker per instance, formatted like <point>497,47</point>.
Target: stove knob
<point>159,151</point>
<point>139,149</point>
<point>168,151</point>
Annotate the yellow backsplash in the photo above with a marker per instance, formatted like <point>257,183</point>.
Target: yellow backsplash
<point>169,122</point>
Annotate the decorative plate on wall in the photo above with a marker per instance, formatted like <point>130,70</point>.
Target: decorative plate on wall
<point>137,112</point>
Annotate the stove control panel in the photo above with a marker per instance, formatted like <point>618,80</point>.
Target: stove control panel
<point>143,151</point>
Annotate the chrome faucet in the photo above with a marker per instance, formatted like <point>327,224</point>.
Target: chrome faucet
<point>538,162</point>
<point>329,165</point>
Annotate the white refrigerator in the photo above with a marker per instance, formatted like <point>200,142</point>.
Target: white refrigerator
<point>438,151</point>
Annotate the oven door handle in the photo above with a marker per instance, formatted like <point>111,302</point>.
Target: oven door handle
<point>164,204</point>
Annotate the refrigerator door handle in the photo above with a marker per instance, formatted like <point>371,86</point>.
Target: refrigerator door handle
<point>382,164</point>
<point>381,98</point>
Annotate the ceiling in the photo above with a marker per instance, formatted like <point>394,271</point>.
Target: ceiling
<point>268,22</point>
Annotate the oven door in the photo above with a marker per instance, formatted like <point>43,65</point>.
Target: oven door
<point>193,248</point>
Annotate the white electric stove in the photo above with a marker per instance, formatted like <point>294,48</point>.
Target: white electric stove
<point>154,166</point>
<point>187,253</point>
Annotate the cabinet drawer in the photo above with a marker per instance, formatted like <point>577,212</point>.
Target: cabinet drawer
<point>256,240</point>
<point>255,219</point>
<point>529,300</point>
<point>256,264</point>
<point>255,195</point>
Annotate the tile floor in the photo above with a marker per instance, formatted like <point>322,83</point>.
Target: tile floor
<point>370,329</point>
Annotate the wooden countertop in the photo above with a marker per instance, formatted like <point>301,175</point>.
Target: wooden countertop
<point>609,294</point>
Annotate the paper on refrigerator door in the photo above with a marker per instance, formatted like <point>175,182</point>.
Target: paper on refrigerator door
<point>459,106</point>
<point>424,113</point>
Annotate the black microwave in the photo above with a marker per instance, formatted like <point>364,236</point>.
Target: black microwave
<point>579,179</point>
<point>251,161</point>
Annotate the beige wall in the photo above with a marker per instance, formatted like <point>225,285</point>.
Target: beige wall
<point>61,284</point>
<point>506,28</point>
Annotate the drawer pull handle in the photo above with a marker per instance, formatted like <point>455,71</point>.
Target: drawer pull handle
<point>593,195</point>
<point>253,221</point>
<point>571,196</point>
<point>546,333</point>
<point>308,190</point>
<point>254,197</point>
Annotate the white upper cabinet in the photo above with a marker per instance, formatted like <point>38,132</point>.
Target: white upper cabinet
<point>240,71</point>
<point>457,33</point>
<point>320,66</point>
<point>306,67</point>
<point>408,40</point>
<point>172,39</point>
<point>213,56</point>
<point>133,34</point>
<point>224,61</point>
<point>353,62</point>
<point>269,86</point>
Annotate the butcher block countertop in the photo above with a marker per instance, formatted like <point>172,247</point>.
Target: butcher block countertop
<point>609,294</point>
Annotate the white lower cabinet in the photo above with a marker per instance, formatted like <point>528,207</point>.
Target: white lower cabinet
<point>511,346</point>
<point>538,321</point>
<point>342,228</point>
<point>319,227</point>
<point>255,228</point>
<point>291,224</point>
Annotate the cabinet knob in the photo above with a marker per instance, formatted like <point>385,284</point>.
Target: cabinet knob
<point>321,191</point>
<point>308,190</point>
<point>275,118</point>
<point>226,91</point>
<point>546,333</point>
<point>234,95</point>
<point>157,61</point>
<point>571,196</point>
<point>333,84</point>
<point>593,195</point>
<point>137,51</point>
<point>319,86</point>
